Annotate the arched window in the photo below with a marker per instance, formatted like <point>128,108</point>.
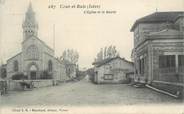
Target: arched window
<point>16,66</point>
<point>32,52</point>
<point>50,67</point>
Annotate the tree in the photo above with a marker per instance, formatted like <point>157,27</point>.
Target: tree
<point>100,55</point>
<point>107,52</point>
<point>70,55</point>
<point>19,76</point>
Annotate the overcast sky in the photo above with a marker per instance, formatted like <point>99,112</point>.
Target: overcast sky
<point>86,33</point>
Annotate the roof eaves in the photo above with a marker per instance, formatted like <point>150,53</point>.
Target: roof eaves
<point>14,56</point>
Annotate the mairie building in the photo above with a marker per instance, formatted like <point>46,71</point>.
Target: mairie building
<point>158,52</point>
<point>35,57</point>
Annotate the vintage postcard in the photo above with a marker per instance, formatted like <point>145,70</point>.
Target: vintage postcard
<point>92,56</point>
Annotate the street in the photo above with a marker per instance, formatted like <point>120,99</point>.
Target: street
<point>86,93</point>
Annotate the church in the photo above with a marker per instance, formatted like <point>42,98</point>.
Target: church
<point>35,57</point>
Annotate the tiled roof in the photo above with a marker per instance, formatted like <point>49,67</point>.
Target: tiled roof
<point>158,17</point>
<point>100,63</point>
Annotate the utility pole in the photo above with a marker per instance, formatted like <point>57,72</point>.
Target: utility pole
<point>156,5</point>
<point>54,38</point>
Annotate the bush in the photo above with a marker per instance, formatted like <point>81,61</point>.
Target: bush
<point>20,76</point>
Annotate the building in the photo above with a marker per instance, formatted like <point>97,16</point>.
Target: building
<point>36,58</point>
<point>112,70</point>
<point>159,50</point>
<point>3,71</point>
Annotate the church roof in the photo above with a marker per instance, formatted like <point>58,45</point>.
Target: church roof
<point>54,58</point>
<point>38,40</point>
<point>30,9</point>
<point>158,17</point>
<point>14,56</point>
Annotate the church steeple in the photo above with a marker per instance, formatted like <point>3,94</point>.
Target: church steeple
<point>30,26</point>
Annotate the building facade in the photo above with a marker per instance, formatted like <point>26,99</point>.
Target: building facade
<point>3,71</point>
<point>36,57</point>
<point>158,51</point>
<point>112,70</point>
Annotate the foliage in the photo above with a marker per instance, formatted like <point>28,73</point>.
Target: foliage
<point>80,74</point>
<point>19,76</point>
<point>106,52</point>
<point>90,72</point>
<point>70,55</point>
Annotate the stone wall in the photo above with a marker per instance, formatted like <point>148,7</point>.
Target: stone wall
<point>117,68</point>
<point>43,83</point>
<point>10,65</point>
<point>15,84</point>
<point>59,70</point>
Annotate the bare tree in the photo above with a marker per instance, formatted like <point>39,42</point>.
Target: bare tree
<point>107,52</point>
<point>70,55</point>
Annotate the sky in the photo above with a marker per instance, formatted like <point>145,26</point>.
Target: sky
<point>86,33</point>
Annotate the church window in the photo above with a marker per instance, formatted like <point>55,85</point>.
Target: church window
<point>15,66</point>
<point>32,52</point>
<point>50,66</point>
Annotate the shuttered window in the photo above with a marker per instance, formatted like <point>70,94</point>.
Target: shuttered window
<point>141,65</point>
<point>181,60</point>
<point>108,77</point>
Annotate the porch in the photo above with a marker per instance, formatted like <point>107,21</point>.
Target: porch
<point>171,74</point>
<point>169,79</point>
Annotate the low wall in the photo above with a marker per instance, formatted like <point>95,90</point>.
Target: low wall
<point>15,84</point>
<point>42,83</point>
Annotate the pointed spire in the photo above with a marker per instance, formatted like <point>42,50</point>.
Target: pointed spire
<point>30,9</point>
<point>30,25</point>
<point>30,14</point>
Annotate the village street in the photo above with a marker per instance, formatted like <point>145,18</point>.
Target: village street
<point>85,93</point>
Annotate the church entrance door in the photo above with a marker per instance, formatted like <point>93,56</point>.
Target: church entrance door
<point>33,75</point>
<point>33,72</point>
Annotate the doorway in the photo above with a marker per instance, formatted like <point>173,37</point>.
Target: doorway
<point>33,75</point>
<point>33,72</point>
